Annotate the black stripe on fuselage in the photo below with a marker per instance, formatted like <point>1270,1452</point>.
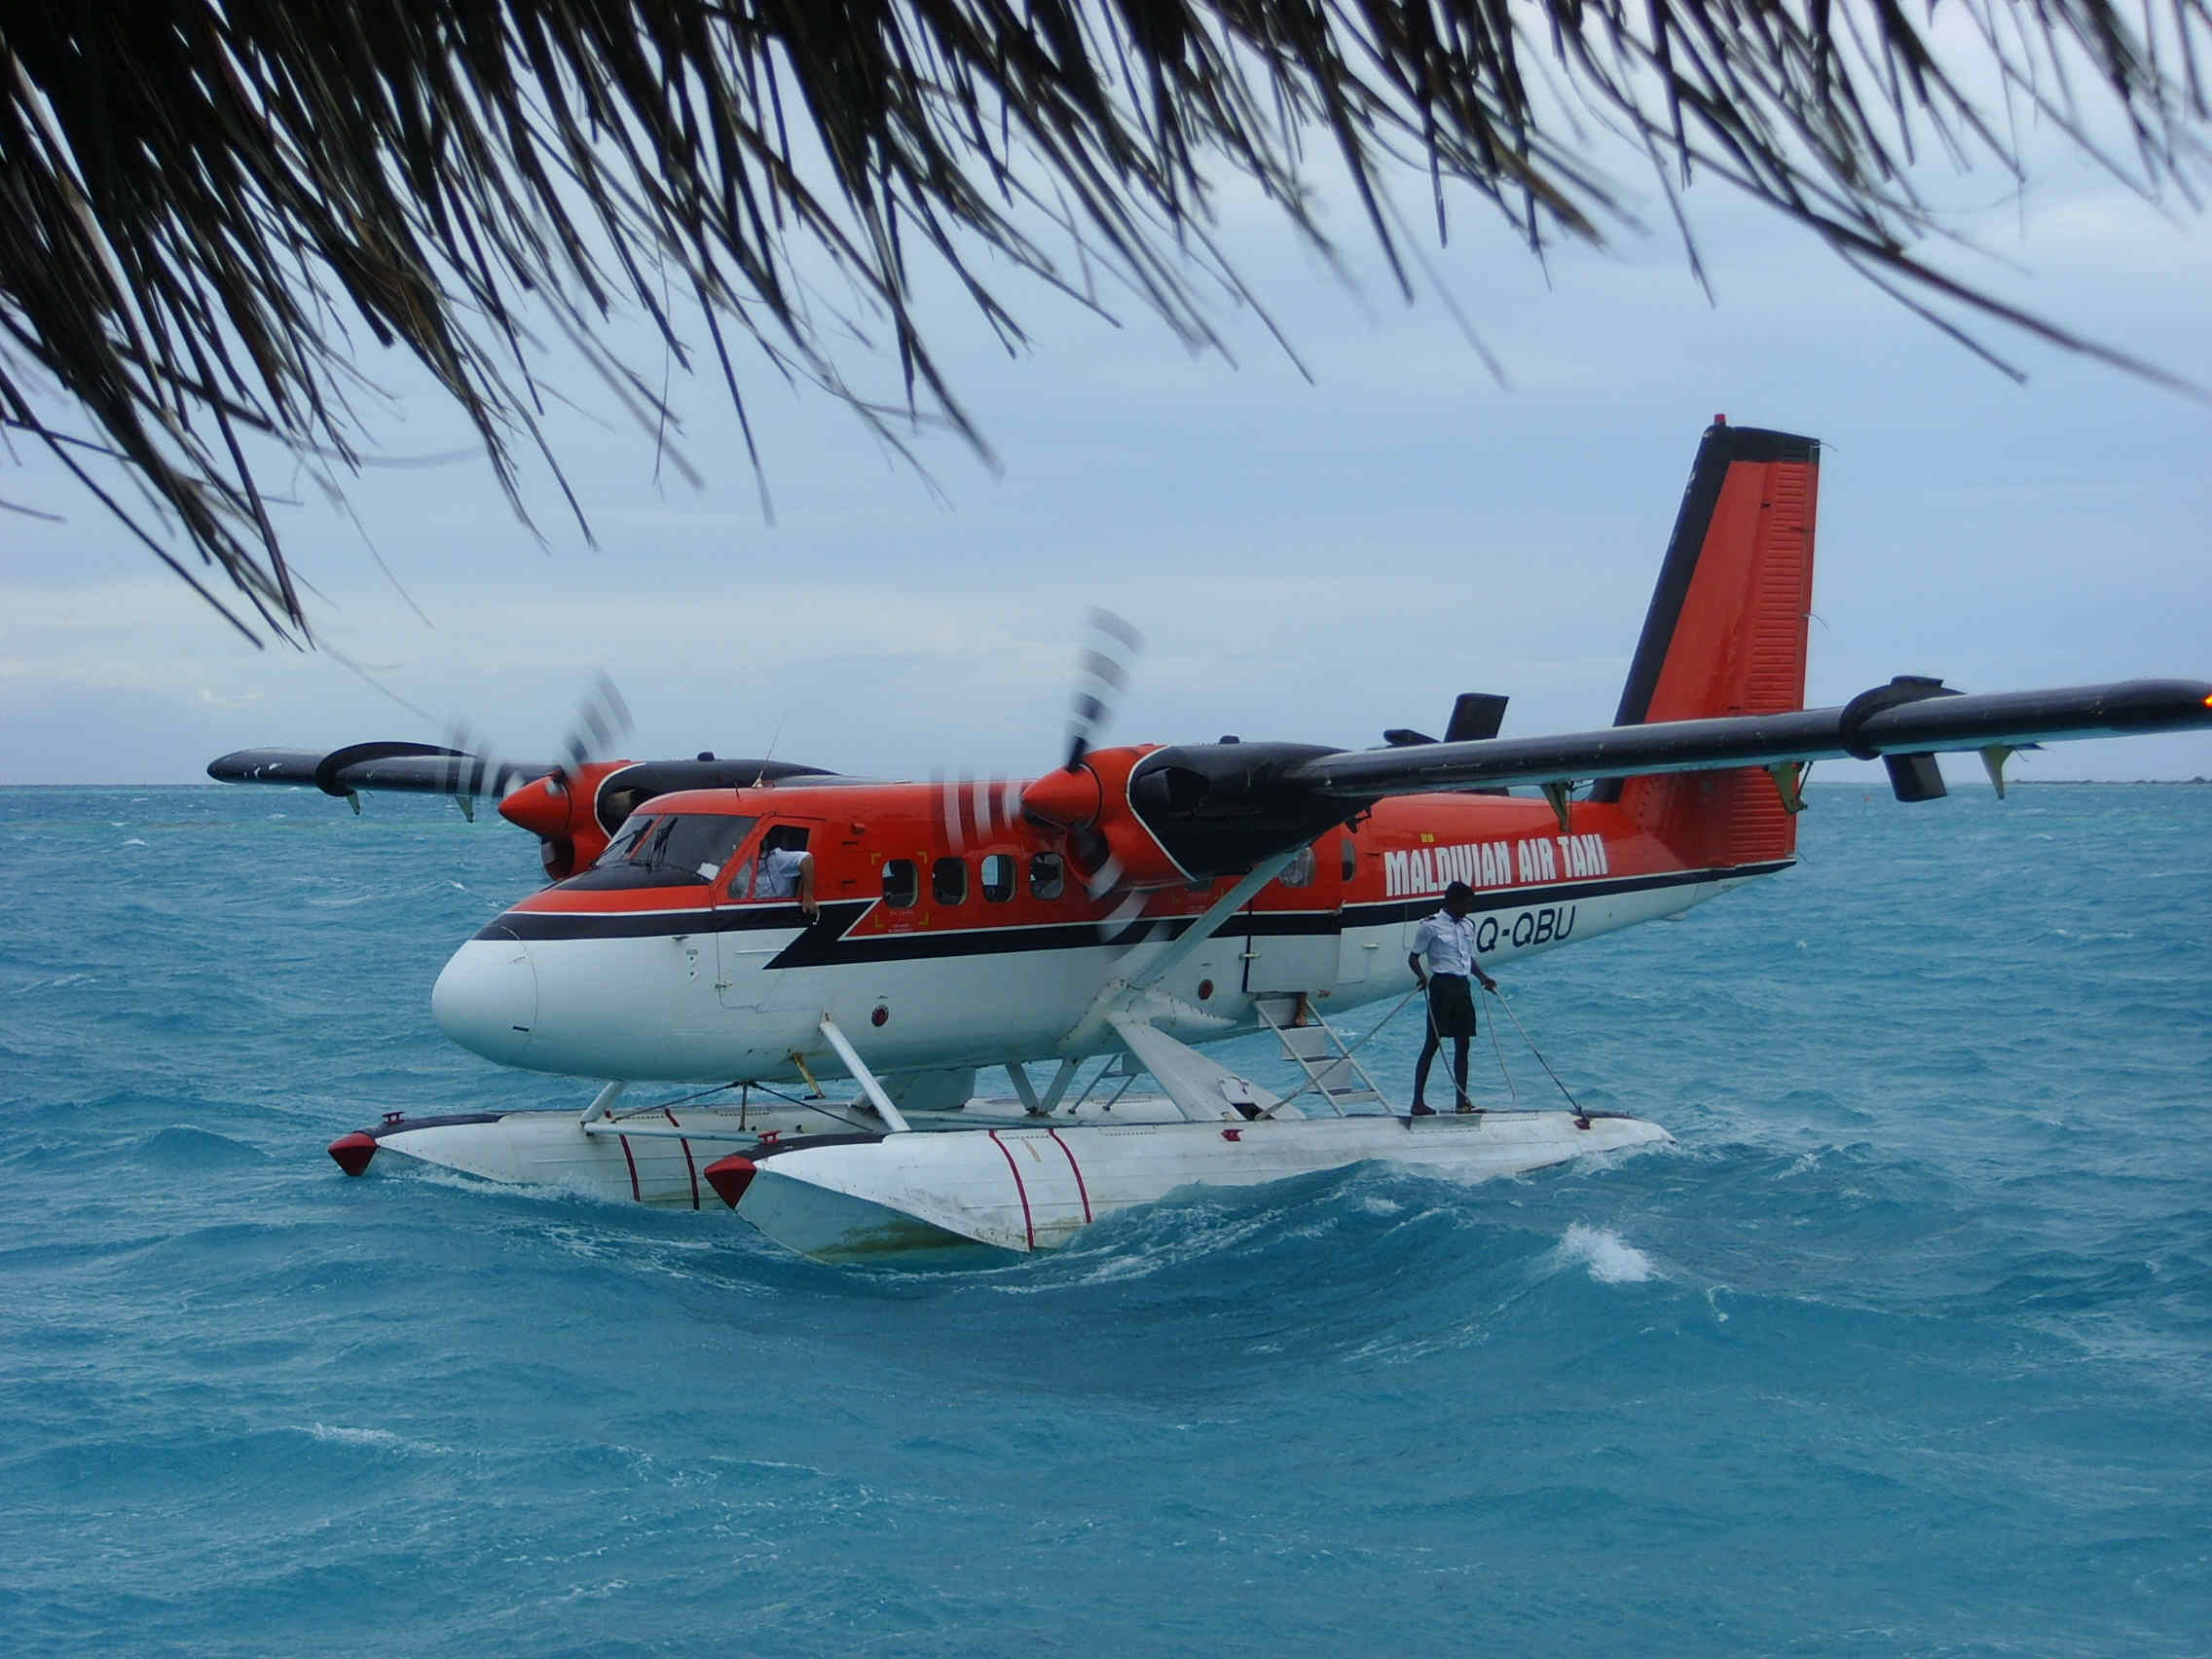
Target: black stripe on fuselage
<point>824,943</point>
<point>667,924</point>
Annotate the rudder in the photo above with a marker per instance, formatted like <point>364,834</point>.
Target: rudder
<point>1726,634</point>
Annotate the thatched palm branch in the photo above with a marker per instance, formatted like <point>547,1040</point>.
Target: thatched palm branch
<point>198,199</point>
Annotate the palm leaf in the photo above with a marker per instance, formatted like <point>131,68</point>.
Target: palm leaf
<point>200,200</point>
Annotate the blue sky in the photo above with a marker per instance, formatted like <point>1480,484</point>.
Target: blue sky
<point>1310,560</point>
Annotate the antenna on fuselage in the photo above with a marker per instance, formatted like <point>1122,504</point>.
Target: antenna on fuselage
<point>774,738</point>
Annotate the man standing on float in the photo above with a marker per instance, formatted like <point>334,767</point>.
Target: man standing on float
<point>1443,958</point>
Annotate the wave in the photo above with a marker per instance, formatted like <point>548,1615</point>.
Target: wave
<point>1610,1258</point>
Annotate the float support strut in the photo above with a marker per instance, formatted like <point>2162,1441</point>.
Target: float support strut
<point>603,1102</point>
<point>862,1076</point>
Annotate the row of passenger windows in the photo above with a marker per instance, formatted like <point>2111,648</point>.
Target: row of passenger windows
<point>996,873</point>
<point>949,880</point>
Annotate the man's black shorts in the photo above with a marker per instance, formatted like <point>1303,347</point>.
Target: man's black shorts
<point>1451,1004</point>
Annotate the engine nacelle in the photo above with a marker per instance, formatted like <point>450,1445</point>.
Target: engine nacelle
<point>1192,812</point>
<point>1219,808</point>
<point>562,810</point>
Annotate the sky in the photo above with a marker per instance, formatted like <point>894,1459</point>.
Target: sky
<point>1312,559</point>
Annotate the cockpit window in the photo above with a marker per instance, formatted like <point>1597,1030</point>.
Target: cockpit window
<point>625,843</point>
<point>698,842</point>
<point>672,849</point>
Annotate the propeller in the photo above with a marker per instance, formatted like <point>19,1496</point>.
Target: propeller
<point>1110,646</point>
<point>971,809</point>
<point>551,805</point>
<point>603,719</point>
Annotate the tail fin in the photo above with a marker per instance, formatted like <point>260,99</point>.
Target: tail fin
<point>1725,634</point>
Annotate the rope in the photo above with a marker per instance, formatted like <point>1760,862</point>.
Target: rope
<point>1345,1053</point>
<point>1538,1053</point>
<point>1466,1097</point>
<point>822,1106</point>
<point>1499,1049</point>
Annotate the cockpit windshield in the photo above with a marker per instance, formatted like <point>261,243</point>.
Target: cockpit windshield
<point>625,841</point>
<point>668,849</point>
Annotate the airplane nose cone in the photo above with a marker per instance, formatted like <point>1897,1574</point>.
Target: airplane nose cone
<point>487,998</point>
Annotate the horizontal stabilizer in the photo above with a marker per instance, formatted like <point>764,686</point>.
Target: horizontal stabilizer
<point>1868,727</point>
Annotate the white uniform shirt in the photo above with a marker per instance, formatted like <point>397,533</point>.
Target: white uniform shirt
<point>779,873</point>
<point>1446,944</point>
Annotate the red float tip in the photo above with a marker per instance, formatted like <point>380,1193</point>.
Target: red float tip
<point>354,1152</point>
<point>728,1177</point>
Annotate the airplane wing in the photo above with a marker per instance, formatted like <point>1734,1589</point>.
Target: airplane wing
<point>415,768</point>
<point>572,813</point>
<point>1908,717</point>
<point>426,768</point>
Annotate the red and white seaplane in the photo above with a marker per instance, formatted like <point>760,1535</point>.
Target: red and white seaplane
<point>1114,915</point>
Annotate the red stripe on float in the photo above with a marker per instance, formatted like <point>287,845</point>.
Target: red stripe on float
<point>1082,1192</point>
<point>1028,1226</point>
<point>688,1163</point>
<point>624,1141</point>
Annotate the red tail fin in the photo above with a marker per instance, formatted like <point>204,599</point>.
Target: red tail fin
<point>1725,634</point>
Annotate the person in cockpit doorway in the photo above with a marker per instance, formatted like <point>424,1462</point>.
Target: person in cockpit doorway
<point>786,869</point>
<point>1442,959</point>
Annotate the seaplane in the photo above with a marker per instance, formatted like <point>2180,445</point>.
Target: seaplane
<point>756,926</point>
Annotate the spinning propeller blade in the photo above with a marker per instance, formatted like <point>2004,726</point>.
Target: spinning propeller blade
<point>972,810</point>
<point>603,719</point>
<point>1111,644</point>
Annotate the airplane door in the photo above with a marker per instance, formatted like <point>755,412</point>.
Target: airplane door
<point>753,923</point>
<point>1292,944</point>
<point>1360,950</point>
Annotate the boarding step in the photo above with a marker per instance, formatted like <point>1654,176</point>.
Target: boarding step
<point>1312,1045</point>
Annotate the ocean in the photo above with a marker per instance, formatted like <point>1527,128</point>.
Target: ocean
<point>1903,1348</point>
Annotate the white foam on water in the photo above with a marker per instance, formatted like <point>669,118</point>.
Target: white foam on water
<point>1610,1258</point>
<point>380,1438</point>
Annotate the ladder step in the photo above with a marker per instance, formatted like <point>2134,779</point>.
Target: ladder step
<point>1320,1052</point>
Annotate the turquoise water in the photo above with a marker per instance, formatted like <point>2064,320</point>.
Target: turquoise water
<point>1904,1348</point>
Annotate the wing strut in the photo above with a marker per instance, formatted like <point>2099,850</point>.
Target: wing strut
<point>854,1064</point>
<point>1166,959</point>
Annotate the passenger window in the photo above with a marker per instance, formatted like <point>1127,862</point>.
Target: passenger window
<point>948,881</point>
<point>998,878</point>
<point>1047,874</point>
<point>901,884</point>
<point>1298,873</point>
<point>1351,858</point>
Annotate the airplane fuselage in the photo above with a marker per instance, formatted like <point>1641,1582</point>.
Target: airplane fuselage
<point>932,958</point>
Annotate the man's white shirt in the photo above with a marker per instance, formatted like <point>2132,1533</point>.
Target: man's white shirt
<point>1446,944</point>
<point>779,873</point>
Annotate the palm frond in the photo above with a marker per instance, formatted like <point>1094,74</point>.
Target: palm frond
<point>199,197</point>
